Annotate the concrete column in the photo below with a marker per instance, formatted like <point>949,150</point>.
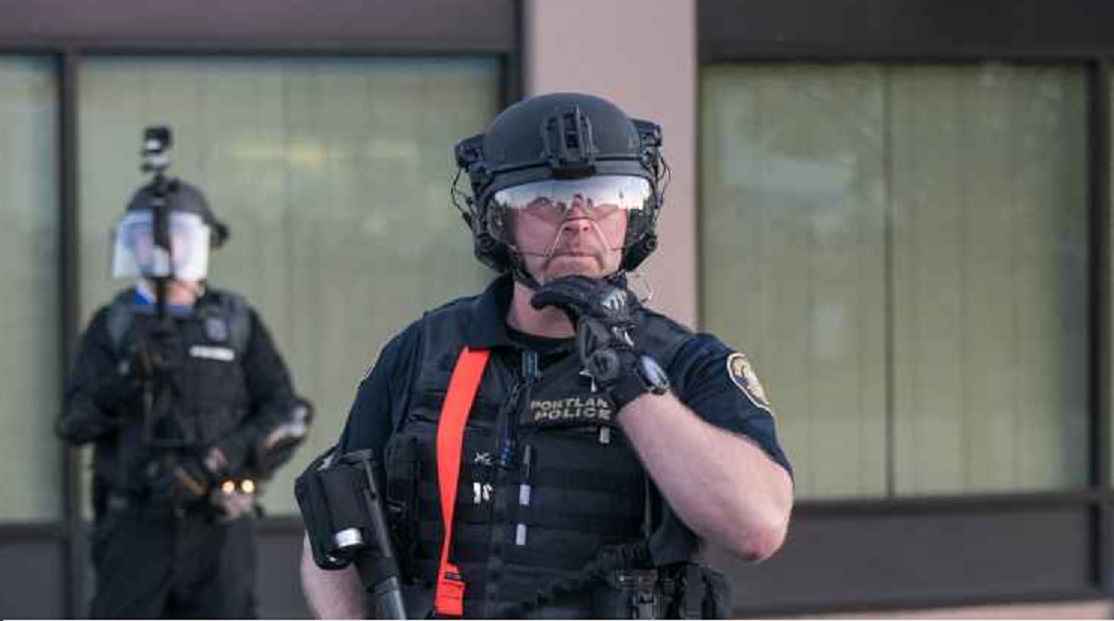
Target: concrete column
<point>642,56</point>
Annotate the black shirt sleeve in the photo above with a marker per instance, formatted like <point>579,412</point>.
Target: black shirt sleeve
<point>84,418</point>
<point>268,378</point>
<point>381,399</point>
<point>703,380</point>
<point>270,390</point>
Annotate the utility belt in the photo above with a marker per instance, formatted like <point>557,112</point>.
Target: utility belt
<point>152,506</point>
<point>164,498</point>
<point>678,591</point>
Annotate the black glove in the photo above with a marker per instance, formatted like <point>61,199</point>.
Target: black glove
<point>151,357</point>
<point>193,480</point>
<point>604,316</point>
<point>157,354</point>
<point>179,480</point>
<point>229,455</point>
<point>277,446</point>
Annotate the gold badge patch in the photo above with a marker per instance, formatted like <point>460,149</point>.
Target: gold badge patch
<point>742,373</point>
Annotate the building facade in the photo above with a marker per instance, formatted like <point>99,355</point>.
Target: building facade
<point>900,210</point>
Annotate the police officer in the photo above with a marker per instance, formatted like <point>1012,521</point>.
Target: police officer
<point>189,407</point>
<point>605,441</point>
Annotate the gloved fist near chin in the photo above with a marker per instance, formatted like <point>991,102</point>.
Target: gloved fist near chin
<point>606,332</point>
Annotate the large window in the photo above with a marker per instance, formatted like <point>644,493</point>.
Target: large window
<point>903,251</point>
<point>30,320</point>
<point>333,175</point>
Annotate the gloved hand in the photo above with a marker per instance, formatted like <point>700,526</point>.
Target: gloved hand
<point>278,445</point>
<point>157,354</point>
<point>192,479</point>
<point>230,496</point>
<point>184,480</point>
<point>603,315</point>
<point>227,456</point>
<point>179,479</point>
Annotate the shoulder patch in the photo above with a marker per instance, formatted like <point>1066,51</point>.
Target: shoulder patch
<point>740,370</point>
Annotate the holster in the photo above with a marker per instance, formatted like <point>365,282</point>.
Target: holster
<point>343,512</point>
<point>696,591</point>
<point>678,591</point>
<point>329,503</point>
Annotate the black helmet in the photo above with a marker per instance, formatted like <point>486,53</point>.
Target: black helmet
<point>185,197</point>
<point>558,136</point>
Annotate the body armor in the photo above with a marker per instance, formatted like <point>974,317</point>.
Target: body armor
<point>547,480</point>
<point>200,403</point>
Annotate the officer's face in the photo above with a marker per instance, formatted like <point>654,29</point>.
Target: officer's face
<point>575,239</point>
<point>143,245</point>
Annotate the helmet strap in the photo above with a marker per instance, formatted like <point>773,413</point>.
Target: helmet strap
<point>518,270</point>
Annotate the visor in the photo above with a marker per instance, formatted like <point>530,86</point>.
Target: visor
<point>560,203</point>
<point>598,196</point>
<point>134,254</point>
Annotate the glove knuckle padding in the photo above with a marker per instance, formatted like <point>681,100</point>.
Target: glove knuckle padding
<point>585,296</point>
<point>604,364</point>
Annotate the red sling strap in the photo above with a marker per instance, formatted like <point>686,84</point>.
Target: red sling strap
<point>449,597</point>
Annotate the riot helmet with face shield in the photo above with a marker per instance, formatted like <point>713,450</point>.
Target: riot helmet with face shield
<point>192,230</point>
<point>554,155</point>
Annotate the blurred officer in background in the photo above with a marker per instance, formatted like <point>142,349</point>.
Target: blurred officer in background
<point>190,408</point>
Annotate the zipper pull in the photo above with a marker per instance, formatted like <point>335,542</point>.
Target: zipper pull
<point>530,370</point>
<point>530,374</point>
<point>508,416</point>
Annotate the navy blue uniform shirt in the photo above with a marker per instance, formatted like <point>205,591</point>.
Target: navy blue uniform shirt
<point>702,376</point>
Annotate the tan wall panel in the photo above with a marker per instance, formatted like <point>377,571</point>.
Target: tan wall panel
<point>642,56</point>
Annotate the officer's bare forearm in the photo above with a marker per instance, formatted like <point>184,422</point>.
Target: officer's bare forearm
<point>722,485</point>
<point>331,594</point>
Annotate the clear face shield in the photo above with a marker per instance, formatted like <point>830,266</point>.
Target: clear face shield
<point>135,255</point>
<point>586,217</point>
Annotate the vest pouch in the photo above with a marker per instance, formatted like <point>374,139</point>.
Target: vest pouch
<point>217,395</point>
<point>214,421</point>
<point>403,466</point>
<point>628,594</point>
<point>696,591</point>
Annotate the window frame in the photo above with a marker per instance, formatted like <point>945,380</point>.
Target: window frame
<point>908,32</point>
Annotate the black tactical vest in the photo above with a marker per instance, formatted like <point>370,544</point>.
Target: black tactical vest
<point>203,401</point>
<point>546,481</point>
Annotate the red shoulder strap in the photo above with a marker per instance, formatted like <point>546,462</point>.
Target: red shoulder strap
<point>465,381</point>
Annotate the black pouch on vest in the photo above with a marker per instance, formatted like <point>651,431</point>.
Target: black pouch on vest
<point>402,461</point>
